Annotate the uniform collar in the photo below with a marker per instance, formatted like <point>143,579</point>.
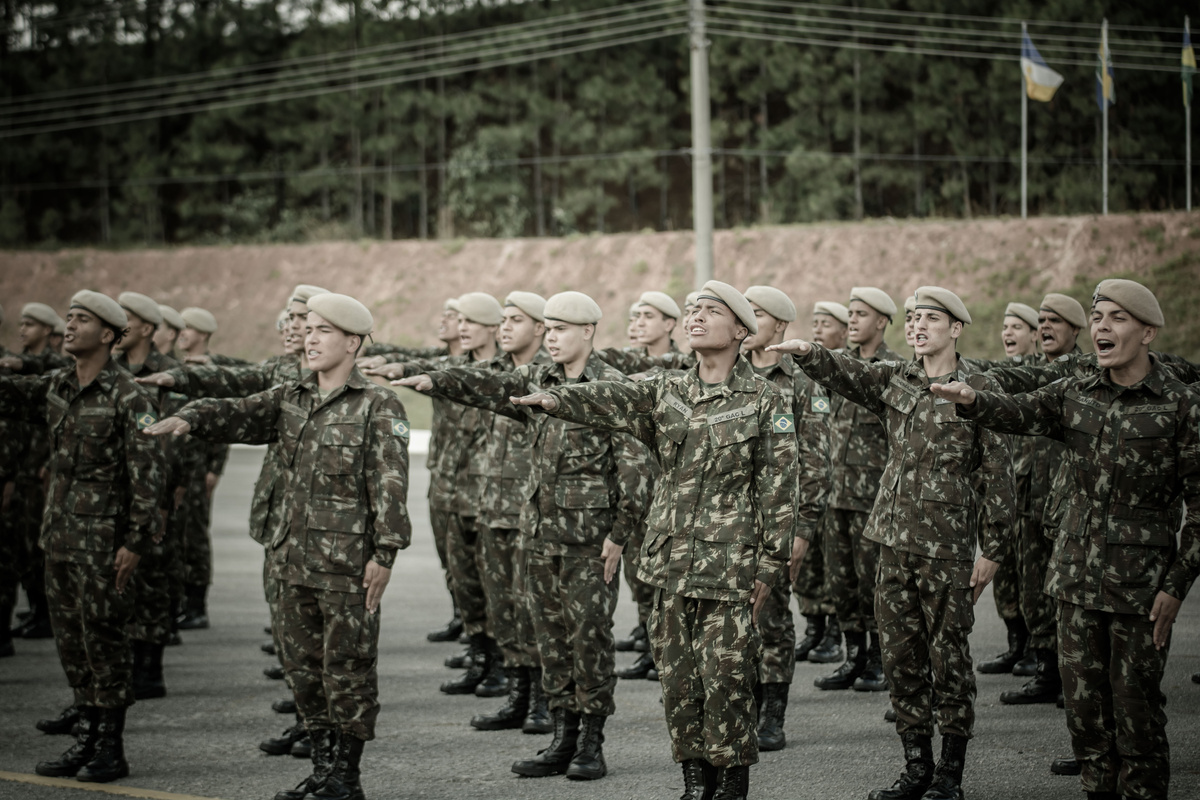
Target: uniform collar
<point>1155,381</point>
<point>741,379</point>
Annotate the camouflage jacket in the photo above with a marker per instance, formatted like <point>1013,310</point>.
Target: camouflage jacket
<point>1133,464</point>
<point>43,362</point>
<point>34,437</point>
<point>633,360</point>
<point>393,352</point>
<point>338,497</point>
<point>219,360</point>
<point>183,456</point>
<point>106,478</point>
<point>926,503</point>
<point>858,446</point>
<point>586,484</point>
<point>207,380</point>
<point>725,508</point>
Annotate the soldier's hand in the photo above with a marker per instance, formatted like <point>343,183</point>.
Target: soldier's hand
<point>799,549</point>
<point>201,359</point>
<point>210,484</point>
<point>125,563</point>
<point>11,362</point>
<point>420,383</point>
<point>758,599</point>
<point>392,372</point>
<point>546,401</point>
<point>981,576</point>
<point>371,362</point>
<point>375,580</point>
<point>1166,608</point>
<point>611,553</point>
<point>797,347</point>
<point>162,379</point>
<point>173,425</point>
<point>954,391</point>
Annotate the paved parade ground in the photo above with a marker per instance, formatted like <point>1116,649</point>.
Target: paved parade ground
<point>201,740</point>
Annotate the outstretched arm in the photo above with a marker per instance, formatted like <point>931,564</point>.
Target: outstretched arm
<point>622,406</point>
<point>857,381</point>
<point>1033,414</point>
<point>473,387</point>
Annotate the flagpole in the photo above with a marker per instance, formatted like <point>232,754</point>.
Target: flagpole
<point>1187,116</point>
<point>1104,109</point>
<point>1024,138</point>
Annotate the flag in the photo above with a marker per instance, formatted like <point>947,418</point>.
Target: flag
<point>1189,66</point>
<point>1041,82</point>
<point>1105,87</point>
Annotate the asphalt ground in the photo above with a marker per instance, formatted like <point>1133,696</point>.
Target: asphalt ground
<point>201,740</point>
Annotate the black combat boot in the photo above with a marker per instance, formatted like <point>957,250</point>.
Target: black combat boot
<point>1196,677</point>
<point>282,744</point>
<point>556,758</point>
<point>448,632</point>
<point>303,747</point>
<point>947,776</point>
<point>1018,640</point>
<point>274,672</point>
<point>495,679</point>
<point>1027,666</point>
<point>461,661</point>
<point>695,780</point>
<point>639,670</point>
<point>854,665</point>
<point>1065,766</point>
<point>267,647</point>
<point>148,681</point>
<point>344,779</point>
<point>195,615</point>
<point>588,762</point>
<point>284,706</point>
<point>638,640</point>
<point>108,764</point>
<point>539,719</point>
<point>733,783</point>
<point>323,741</point>
<point>871,679</point>
<point>814,631</point>
<point>770,718</point>
<point>829,649</point>
<point>81,752</point>
<point>918,770</point>
<point>512,714</point>
<point>466,683</point>
<point>1044,687</point>
<point>61,725</point>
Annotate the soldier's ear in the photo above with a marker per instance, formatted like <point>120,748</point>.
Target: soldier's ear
<point>1150,334</point>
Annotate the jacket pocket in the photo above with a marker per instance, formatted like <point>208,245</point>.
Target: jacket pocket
<point>336,540</point>
<point>581,492</point>
<point>947,503</point>
<point>721,559</point>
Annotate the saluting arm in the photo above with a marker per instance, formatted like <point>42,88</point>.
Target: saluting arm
<point>211,380</point>
<point>1036,413</point>
<point>481,388</point>
<point>610,405</point>
<point>858,381</point>
<point>250,420</point>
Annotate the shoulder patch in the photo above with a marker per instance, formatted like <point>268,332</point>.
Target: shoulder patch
<point>784,423</point>
<point>145,420</point>
<point>400,428</point>
<point>817,405</point>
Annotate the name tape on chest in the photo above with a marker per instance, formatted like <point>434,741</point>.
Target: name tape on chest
<point>783,423</point>
<point>677,404</point>
<point>400,428</point>
<point>819,405</point>
<point>145,420</point>
<point>727,416</point>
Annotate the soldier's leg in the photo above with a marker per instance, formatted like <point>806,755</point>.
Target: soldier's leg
<point>9,578</point>
<point>866,567</point>
<point>30,501</point>
<point>351,645</point>
<point>103,618</point>
<point>461,541</point>
<point>1037,607</point>
<point>1139,708</point>
<point>1006,588</point>
<point>555,648</point>
<point>495,555</point>
<point>675,653</point>
<point>439,521</point>
<point>778,631</point>
<point>65,604</point>
<point>526,653</point>
<point>1085,662</point>
<point>151,624</point>
<point>197,551</point>
<point>841,572</point>
<point>904,641</point>
<point>301,637</point>
<point>589,604</point>
<point>727,648</point>
<point>812,591</point>
<point>945,599</point>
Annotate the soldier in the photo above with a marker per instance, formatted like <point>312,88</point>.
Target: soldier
<point>657,314</point>
<point>377,354</point>
<point>809,406</point>
<point>102,512</point>
<point>923,521</point>
<point>589,492</point>
<point>658,308</point>
<point>830,323</point>
<point>1132,439</point>
<point>55,342</point>
<point>859,452</point>
<point>631,330</point>
<point>910,306</point>
<point>334,535</point>
<point>167,334</point>
<point>721,530</point>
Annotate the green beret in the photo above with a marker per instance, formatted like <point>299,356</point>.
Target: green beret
<point>172,317</point>
<point>835,310</point>
<point>910,304</point>
<point>532,304</point>
<point>1133,297</point>
<point>1066,307</point>
<point>304,292</point>
<point>662,302</point>
<point>141,305</point>
<point>939,299</point>
<point>103,306</point>
<point>573,307</point>
<point>737,302</point>
<point>1023,313</point>
<point>40,312</point>
<point>342,311</point>
<point>772,301</point>
<point>481,308</point>
<point>877,299</point>
<point>199,319</point>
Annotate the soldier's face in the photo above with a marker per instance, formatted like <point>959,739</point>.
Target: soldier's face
<point>1018,338</point>
<point>567,342</point>
<point>866,324</point>
<point>85,333</point>
<point>651,325</point>
<point>326,345</point>
<point>33,334</point>
<point>190,338</point>
<point>472,335</point>
<point>631,331</point>
<point>934,331</point>
<point>1118,336</point>
<point>139,331</point>
<point>713,326</point>
<point>770,330</point>
<point>164,338</point>
<point>448,326</point>
<point>910,336</point>
<point>1058,336</point>
<point>519,330</point>
<point>293,326</point>
<point>828,332</point>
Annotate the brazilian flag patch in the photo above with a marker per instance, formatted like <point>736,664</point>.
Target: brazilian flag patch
<point>145,420</point>
<point>400,428</point>
<point>819,405</point>
<point>783,423</point>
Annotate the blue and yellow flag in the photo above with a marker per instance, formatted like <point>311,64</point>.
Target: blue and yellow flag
<point>1041,82</point>
<point>1189,65</point>
<point>1106,89</point>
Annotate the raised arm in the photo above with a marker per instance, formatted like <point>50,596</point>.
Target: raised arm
<point>479,388</point>
<point>248,419</point>
<point>858,381</point>
<point>1032,414</point>
<point>622,406</point>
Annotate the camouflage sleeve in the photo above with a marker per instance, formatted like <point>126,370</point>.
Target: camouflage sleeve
<point>24,397</point>
<point>222,360</point>
<point>1030,378</point>
<point>215,458</point>
<point>773,486</point>
<point>40,364</point>
<point>999,491</point>
<point>1180,367</point>
<point>812,456</point>
<point>482,388</point>
<point>146,466</point>
<point>627,362</point>
<point>247,419</point>
<point>1184,569</point>
<point>386,467</point>
<point>1036,413</point>
<point>396,353</point>
<point>210,380</point>
<point>633,486</point>
<point>858,381</point>
<point>622,406</point>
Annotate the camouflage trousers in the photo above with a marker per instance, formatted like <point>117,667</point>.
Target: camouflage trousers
<point>526,654</point>
<point>1112,677</point>
<point>151,587</point>
<point>330,653</point>
<point>778,630</point>
<point>26,509</point>
<point>1006,586</point>
<point>572,610</point>
<point>707,653</point>
<point>496,551</point>
<point>810,588</point>
<point>923,607</point>
<point>10,574</point>
<point>462,539</point>
<point>197,540</point>
<point>1033,550</point>
<point>851,567</point>
<point>642,592</point>
<point>439,521</point>
<point>89,620</point>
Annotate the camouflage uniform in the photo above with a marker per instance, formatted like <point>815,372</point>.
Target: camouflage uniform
<point>924,523</point>
<point>1132,464</point>
<point>724,515</point>
<point>336,502</point>
<point>105,488</point>
<point>587,485</point>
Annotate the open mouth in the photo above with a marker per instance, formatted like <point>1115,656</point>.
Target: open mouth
<point>1104,346</point>
<point>921,338</point>
<point>1009,343</point>
<point>696,330</point>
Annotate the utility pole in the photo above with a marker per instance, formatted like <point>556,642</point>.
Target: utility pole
<point>702,188</point>
<point>1024,136</point>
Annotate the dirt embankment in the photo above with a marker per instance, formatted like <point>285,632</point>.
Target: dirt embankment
<point>988,262</point>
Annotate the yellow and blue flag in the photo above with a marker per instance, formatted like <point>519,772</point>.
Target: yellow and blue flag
<point>1106,88</point>
<point>1189,65</point>
<point>1041,82</point>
